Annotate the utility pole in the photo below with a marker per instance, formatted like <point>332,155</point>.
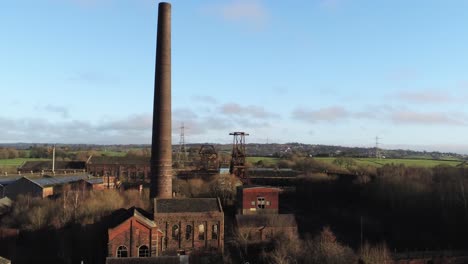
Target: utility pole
<point>53,160</point>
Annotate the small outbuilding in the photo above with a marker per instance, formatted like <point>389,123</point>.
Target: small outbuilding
<point>253,199</point>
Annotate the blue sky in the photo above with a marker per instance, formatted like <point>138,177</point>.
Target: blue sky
<point>336,72</point>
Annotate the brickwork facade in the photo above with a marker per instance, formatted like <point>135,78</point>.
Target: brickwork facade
<point>258,200</point>
<point>186,232</point>
<point>267,232</point>
<point>190,224</point>
<point>135,237</point>
<point>128,171</point>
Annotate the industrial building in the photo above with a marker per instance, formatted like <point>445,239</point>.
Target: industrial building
<point>258,217</point>
<point>134,168</point>
<point>189,224</point>
<point>48,186</point>
<point>257,200</point>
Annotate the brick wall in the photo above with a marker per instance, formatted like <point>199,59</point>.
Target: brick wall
<point>189,241</point>
<point>266,233</point>
<point>248,200</point>
<point>132,234</point>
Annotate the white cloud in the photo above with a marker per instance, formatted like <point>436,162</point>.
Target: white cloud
<point>333,113</point>
<point>247,111</point>
<point>427,118</point>
<point>250,12</point>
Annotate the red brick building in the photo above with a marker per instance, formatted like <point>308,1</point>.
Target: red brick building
<point>178,226</point>
<point>257,200</point>
<point>258,217</point>
<point>135,236</point>
<point>133,168</point>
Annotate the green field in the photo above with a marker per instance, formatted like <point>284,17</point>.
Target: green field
<point>429,163</point>
<point>16,162</point>
<point>371,161</point>
<point>10,165</point>
<point>266,160</point>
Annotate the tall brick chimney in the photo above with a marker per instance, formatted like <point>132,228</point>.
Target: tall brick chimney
<point>161,147</point>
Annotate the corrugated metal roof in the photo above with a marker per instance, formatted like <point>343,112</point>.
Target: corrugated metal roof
<point>51,181</point>
<point>9,180</point>
<point>95,181</point>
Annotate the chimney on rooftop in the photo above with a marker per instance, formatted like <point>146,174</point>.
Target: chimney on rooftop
<point>161,147</point>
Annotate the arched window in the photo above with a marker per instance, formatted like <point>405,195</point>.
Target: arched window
<point>122,252</point>
<point>188,232</point>
<point>175,232</point>
<point>143,251</point>
<point>201,232</point>
<point>214,232</point>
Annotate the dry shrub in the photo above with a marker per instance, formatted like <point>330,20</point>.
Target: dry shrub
<point>379,254</point>
<point>224,186</point>
<point>324,248</point>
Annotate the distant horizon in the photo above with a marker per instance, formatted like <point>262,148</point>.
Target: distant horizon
<point>336,72</point>
<point>383,147</point>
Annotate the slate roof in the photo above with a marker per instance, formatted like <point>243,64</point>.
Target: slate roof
<point>121,215</point>
<point>187,205</point>
<point>119,160</point>
<point>156,260</point>
<point>272,220</point>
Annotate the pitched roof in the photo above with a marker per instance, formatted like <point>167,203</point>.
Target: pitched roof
<point>187,205</point>
<point>122,215</point>
<point>51,181</point>
<point>274,220</point>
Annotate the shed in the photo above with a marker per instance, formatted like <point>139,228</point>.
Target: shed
<point>40,187</point>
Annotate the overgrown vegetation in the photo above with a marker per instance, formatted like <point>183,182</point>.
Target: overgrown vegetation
<point>409,207</point>
<point>72,207</point>
<point>324,248</point>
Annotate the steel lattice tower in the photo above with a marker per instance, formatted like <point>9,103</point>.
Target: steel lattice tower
<point>238,165</point>
<point>182,152</point>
